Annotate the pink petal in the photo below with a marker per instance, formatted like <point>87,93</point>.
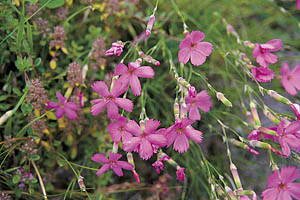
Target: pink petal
<point>171,136</point>
<point>197,58</point>
<point>194,113</point>
<point>285,69</point>
<point>284,195</point>
<point>120,86</point>
<point>294,190</point>
<point>270,194</point>
<point>293,127</point>
<point>298,4</point>
<point>99,158</point>
<point>145,149</point>
<point>181,144</point>
<point>112,110</point>
<point>103,169</point>
<point>125,165</point>
<point>114,131</point>
<point>186,43</point>
<point>61,98</point>
<point>270,58</point>
<point>70,113</point>
<point>52,104</point>
<point>59,112</point>
<point>72,105</point>
<point>287,85</point>
<point>125,104</point>
<point>261,60</point>
<point>133,128</point>
<point>204,48</point>
<point>274,179</point>
<point>101,88</point>
<point>276,43</point>
<point>256,50</point>
<point>186,122</point>
<point>284,147</point>
<point>193,134</point>
<point>157,139</point>
<point>131,144</point>
<point>120,69</point>
<point>292,141</point>
<point>197,36</point>
<point>289,174</point>
<point>98,107</point>
<point>184,55</point>
<point>144,72</point>
<point>117,170</point>
<point>135,85</point>
<point>114,156</point>
<point>151,126</point>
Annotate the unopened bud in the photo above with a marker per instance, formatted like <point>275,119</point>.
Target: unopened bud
<point>220,96</point>
<point>249,44</point>
<point>150,25</point>
<point>81,183</point>
<point>235,176</point>
<point>278,97</point>
<point>254,113</point>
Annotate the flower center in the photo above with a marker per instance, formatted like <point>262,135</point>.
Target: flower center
<point>179,130</point>
<point>112,163</point>
<point>121,129</point>
<point>130,70</point>
<point>143,135</point>
<point>110,97</point>
<point>193,103</point>
<point>289,77</point>
<point>282,186</point>
<point>193,45</point>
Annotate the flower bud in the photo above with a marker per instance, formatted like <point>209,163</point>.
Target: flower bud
<point>220,96</point>
<point>150,25</point>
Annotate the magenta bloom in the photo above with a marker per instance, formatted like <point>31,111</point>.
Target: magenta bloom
<point>112,163</point>
<point>298,4</point>
<point>117,130</point>
<point>288,136</point>
<point>179,134</point>
<point>144,140</point>
<point>150,25</point>
<point>110,100</point>
<point>116,49</point>
<point>258,135</point>
<point>296,109</point>
<point>191,47</point>
<point>200,100</point>
<point>159,165</point>
<point>180,174</point>
<point>262,52</point>
<point>262,74</point>
<point>63,107</point>
<point>290,79</point>
<point>131,73</point>
<point>280,185</point>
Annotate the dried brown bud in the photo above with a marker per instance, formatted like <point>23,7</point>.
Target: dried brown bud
<point>36,94</point>
<point>74,74</point>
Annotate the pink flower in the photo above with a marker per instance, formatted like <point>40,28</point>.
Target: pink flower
<point>145,138</point>
<point>110,100</point>
<point>131,73</point>
<point>179,134</point>
<point>262,52</point>
<point>150,25</point>
<point>290,79</point>
<point>200,100</point>
<point>116,49</point>
<point>280,185</point>
<point>111,163</point>
<point>258,135</point>
<point>288,136</point>
<point>298,4</point>
<point>262,74</point>
<point>296,109</point>
<point>117,130</point>
<point>159,165</point>
<point>191,47</point>
<point>63,107</point>
<point>180,174</point>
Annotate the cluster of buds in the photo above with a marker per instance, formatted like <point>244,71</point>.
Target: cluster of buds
<point>38,127</point>
<point>61,13</point>
<point>97,53</point>
<point>4,196</point>
<point>29,147</point>
<point>116,49</point>
<point>43,26</point>
<point>149,59</point>
<point>59,36</point>
<point>24,176</point>
<point>37,94</point>
<point>31,8</point>
<point>74,74</point>
<point>112,6</point>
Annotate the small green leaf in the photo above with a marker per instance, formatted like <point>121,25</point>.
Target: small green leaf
<point>35,157</point>
<point>53,3</point>
<point>34,180</point>
<point>26,46</point>
<point>38,62</point>
<point>16,178</point>
<point>35,137</point>
<point>17,91</point>
<point>32,1</point>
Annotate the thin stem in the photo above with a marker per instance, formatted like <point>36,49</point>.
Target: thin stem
<point>40,179</point>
